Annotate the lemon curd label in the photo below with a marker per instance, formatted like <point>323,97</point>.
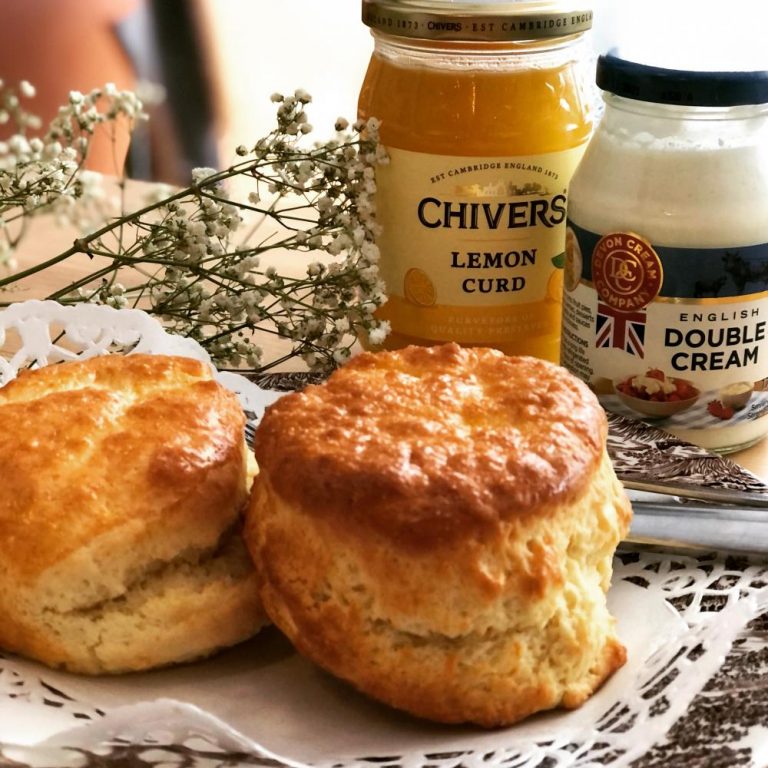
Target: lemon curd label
<point>473,247</point>
<point>674,335</point>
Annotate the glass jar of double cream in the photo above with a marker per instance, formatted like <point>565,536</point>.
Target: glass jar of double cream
<point>665,309</point>
<point>484,113</point>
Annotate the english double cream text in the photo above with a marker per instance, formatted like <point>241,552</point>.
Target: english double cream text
<point>715,349</point>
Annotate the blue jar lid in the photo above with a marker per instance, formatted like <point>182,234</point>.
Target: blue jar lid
<point>643,82</point>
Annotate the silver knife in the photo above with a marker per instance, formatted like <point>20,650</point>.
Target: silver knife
<point>719,495</point>
<point>666,520</point>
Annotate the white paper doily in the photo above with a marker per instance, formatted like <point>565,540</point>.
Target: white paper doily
<point>220,712</point>
<point>260,699</point>
<point>45,332</point>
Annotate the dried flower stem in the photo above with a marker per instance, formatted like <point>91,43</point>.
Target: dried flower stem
<point>176,257</point>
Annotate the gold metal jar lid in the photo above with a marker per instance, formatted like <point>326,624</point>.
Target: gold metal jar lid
<point>482,21</point>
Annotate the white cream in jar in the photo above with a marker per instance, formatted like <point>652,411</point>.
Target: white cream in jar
<point>667,251</point>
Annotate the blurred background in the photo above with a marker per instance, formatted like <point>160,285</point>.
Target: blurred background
<point>218,61</point>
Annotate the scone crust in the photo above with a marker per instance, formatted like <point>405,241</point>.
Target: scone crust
<point>117,442</point>
<point>433,444</point>
<point>120,473</point>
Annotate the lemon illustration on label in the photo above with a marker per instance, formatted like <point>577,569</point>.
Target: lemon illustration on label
<point>573,260</point>
<point>555,286</point>
<point>418,287</point>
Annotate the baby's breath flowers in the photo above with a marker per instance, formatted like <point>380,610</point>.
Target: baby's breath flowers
<point>44,173</point>
<point>205,259</point>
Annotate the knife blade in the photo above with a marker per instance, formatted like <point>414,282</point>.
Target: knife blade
<point>719,495</point>
<point>663,520</point>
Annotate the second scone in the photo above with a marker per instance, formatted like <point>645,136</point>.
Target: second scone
<point>436,526</point>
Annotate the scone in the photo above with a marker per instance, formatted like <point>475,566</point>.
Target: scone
<point>436,526</point>
<point>122,486</point>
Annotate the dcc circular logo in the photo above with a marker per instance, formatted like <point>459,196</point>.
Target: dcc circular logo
<point>626,271</point>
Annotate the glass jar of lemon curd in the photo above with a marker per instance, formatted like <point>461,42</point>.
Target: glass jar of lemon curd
<point>485,112</point>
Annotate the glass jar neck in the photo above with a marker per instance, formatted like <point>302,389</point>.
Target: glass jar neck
<point>620,107</point>
<point>547,52</point>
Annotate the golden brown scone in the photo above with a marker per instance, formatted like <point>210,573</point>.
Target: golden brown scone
<point>121,492</point>
<point>436,526</point>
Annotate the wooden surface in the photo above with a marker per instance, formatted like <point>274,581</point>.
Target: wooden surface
<point>755,459</point>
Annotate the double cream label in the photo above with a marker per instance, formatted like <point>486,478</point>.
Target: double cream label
<point>677,335</point>
<point>467,233</point>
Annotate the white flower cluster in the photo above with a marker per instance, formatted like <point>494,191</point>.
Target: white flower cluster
<point>11,108</point>
<point>78,120</point>
<point>323,200</point>
<point>179,257</point>
<point>325,312</point>
<point>291,117</point>
<point>44,173</point>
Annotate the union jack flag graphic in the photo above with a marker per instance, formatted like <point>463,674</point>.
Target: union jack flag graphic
<point>622,330</point>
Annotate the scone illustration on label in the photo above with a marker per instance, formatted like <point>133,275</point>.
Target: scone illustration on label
<point>123,486</point>
<point>436,526</point>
